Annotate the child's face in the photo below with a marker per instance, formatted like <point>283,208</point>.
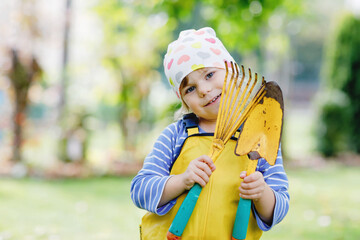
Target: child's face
<point>201,91</point>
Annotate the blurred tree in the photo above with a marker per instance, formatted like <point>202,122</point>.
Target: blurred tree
<point>133,39</point>
<point>65,56</point>
<point>22,73</point>
<point>71,122</point>
<point>339,128</point>
<point>137,33</point>
<point>74,142</point>
<point>24,68</point>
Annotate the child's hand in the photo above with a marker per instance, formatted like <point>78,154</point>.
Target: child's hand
<point>253,186</point>
<point>198,171</point>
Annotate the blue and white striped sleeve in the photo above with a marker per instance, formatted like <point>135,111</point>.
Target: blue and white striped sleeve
<point>277,180</point>
<point>148,185</point>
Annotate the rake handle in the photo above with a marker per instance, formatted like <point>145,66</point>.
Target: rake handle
<point>183,215</point>
<point>243,210</point>
<point>187,206</point>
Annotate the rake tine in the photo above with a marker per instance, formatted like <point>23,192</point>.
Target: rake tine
<point>228,100</point>
<point>232,100</point>
<point>258,97</point>
<point>235,111</point>
<point>241,104</point>
<point>221,108</point>
<point>238,88</point>
<point>243,74</point>
<point>252,104</point>
<point>240,118</point>
<point>252,87</point>
<point>241,82</point>
<point>224,102</point>
<point>233,85</point>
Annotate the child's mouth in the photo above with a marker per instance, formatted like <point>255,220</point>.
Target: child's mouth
<point>213,100</point>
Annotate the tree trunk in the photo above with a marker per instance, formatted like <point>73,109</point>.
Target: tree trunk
<point>63,143</point>
<point>21,74</point>
<point>19,119</point>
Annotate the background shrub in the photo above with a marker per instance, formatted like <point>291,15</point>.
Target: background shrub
<point>339,117</point>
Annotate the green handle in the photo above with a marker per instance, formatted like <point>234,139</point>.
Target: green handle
<point>242,219</point>
<point>182,216</point>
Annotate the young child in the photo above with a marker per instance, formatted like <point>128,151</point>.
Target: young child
<point>194,66</point>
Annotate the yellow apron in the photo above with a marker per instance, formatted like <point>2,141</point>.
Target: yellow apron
<point>214,214</point>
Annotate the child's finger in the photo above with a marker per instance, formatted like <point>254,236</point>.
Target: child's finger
<point>255,176</point>
<point>249,192</point>
<point>195,176</point>
<point>251,185</point>
<point>199,172</point>
<point>204,167</point>
<point>200,181</point>
<point>243,174</point>
<point>204,177</point>
<point>201,178</point>
<point>206,159</point>
<point>253,196</point>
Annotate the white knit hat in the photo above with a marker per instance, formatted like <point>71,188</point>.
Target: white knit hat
<point>193,49</point>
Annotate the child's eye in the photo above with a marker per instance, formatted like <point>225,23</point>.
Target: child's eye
<point>190,89</point>
<point>209,75</point>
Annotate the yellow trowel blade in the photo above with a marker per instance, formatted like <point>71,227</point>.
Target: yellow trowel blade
<point>261,133</point>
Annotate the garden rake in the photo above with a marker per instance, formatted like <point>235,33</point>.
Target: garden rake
<point>238,99</point>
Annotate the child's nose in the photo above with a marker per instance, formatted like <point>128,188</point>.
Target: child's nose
<point>204,89</point>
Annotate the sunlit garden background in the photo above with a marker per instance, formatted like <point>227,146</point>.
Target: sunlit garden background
<point>83,97</point>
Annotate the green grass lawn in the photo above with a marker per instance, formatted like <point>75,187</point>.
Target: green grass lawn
<point>67,209</point>
<point>324,205</point>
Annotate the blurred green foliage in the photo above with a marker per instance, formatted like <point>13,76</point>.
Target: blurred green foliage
<point>339,116</point>
<point>133,39</point>
<point>332,127</point>
<point>136,35</point>
<point>240,24</point>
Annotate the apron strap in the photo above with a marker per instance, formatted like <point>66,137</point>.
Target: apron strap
<point>238,132</point>
<point>191,123</point>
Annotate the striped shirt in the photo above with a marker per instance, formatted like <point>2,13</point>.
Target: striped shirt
<point>148,185</point>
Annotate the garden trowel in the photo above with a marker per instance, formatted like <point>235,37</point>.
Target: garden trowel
<point>259,138</point>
